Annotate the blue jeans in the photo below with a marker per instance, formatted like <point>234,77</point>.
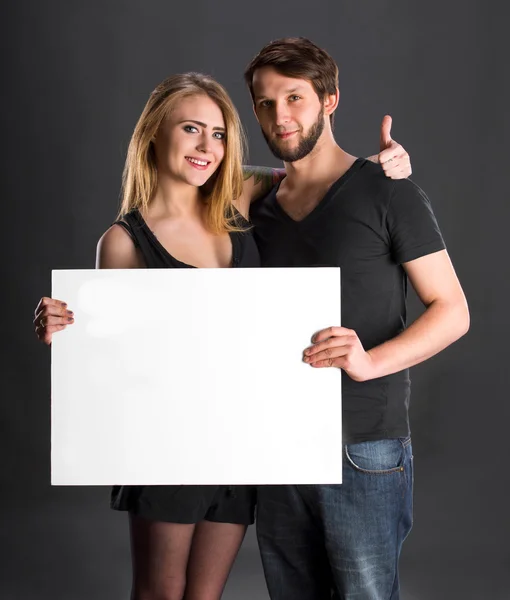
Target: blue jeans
<point>319,542</point>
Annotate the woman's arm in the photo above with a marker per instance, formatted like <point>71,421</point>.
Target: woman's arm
<point>115,250</point>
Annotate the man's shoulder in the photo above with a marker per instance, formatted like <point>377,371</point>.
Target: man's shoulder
<point>371,169</point>
<point>367,184</point>
<point>373,174</point>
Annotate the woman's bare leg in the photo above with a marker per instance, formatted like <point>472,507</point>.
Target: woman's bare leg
<point>213,551</point>
<point>159,553</point>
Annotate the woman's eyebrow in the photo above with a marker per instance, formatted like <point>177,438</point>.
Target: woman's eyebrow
<point>201,124</point>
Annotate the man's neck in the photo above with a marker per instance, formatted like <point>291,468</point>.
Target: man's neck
<point>327,162</point>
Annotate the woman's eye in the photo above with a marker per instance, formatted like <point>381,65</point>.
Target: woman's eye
<point>219,135</point>
<point>190,129</point>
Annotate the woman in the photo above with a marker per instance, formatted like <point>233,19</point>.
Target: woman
<point>185,204</point>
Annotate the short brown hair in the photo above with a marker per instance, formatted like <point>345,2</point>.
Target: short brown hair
<point>300,58</point>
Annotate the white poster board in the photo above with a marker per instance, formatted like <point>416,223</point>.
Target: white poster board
<point>195,376</point>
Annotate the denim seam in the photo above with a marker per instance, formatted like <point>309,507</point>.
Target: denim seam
<point>371,472</point>
<point>405,443</point>
<point>397,545</point>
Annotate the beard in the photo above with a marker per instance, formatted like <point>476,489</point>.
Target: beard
<point>305,146</point>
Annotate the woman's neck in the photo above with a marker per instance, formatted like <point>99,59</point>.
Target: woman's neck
<point>176,199</point>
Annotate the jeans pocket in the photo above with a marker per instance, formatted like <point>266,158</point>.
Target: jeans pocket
<point>377,457</point>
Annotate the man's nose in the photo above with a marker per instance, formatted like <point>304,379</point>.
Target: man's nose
<point>282,114</point>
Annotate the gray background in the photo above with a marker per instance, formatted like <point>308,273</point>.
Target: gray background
<point>75,78</point>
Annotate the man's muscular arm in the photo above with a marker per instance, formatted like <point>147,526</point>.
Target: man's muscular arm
<point>445,320</point>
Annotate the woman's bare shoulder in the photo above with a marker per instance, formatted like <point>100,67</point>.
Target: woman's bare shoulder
<point>116,250</point>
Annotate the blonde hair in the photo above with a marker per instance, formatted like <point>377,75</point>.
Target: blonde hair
<point>140,177</point>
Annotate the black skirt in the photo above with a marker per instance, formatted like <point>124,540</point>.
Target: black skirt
<point>187,503</point>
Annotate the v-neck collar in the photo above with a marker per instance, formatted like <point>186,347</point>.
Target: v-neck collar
<point>356,165</point>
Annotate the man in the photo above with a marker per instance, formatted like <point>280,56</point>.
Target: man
<point>333,209</point>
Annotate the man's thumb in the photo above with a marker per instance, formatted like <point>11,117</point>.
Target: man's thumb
<point>385,139</point>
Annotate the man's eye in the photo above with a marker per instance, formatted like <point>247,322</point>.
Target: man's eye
<point>190,129</point>
<point>265,103</point>
<point>293,98</point>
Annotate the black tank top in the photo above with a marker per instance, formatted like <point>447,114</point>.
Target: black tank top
<point>244,249</point>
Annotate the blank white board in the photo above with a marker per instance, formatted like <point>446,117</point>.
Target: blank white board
<point>195,376</point>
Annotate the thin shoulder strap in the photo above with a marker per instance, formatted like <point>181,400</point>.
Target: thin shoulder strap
<point>241,220</point>
<point>127,227</point>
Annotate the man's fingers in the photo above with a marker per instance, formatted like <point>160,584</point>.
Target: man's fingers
<point>339,363</point>
<point>391,153</point>
<point>403,173</point>
<point>399,168</point>
<point>324,334</point>
<point>385,137</point>
<point>397,159</point>
<point>328,354</point>
<point>328,345</point>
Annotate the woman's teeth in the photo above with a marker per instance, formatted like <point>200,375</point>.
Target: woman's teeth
<point>201,163</point>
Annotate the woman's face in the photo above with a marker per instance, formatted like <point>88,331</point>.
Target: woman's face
<point>190,143</point>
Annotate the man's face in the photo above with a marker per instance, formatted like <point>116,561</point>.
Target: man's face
<point>289,112</point>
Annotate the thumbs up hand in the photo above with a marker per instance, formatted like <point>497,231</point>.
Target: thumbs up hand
<point>392,157</point>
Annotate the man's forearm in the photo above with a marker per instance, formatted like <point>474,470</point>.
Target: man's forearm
<point>440,325</point>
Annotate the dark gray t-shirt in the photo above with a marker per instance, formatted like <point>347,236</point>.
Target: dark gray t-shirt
<point>368,225</point>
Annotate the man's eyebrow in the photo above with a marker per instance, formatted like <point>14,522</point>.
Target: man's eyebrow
<point>297,88</point>
<point>201,124</point>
